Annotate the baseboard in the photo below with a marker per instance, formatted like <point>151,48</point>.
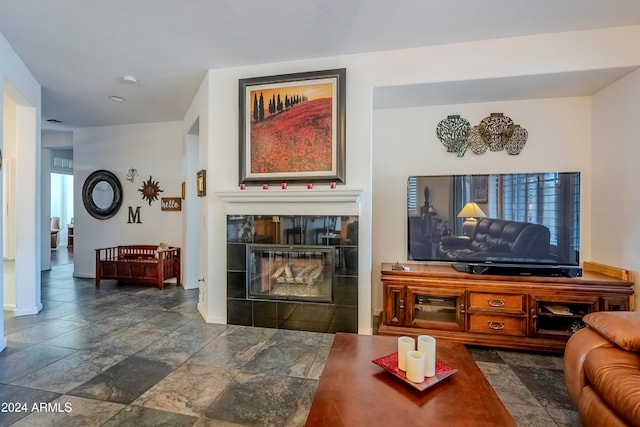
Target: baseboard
<point>210,319</point>
<point>24,311</point>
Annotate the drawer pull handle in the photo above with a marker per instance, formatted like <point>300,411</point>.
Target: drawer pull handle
<point>496,326</point>
<point>493,302</point>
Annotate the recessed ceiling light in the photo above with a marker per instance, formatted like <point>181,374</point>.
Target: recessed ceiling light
<point>129,79</point>
<point>117,98</point>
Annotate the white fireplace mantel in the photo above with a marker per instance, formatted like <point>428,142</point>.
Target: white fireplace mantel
<point>276,201</point>
<point>277,195</point>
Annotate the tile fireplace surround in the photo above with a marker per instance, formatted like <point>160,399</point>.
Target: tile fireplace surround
<point>281,252</point>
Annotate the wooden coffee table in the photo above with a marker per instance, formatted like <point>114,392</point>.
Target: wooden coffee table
<point>353,391</point>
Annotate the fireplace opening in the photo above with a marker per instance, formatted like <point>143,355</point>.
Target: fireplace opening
<point>282,272</point>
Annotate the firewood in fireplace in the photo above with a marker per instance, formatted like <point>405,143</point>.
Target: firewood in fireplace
<point>278,272</point>
<point>314,275</point>
<point>304,273</point>
<point>295,274</point>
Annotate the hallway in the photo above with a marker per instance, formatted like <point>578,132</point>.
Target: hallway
<point>61,256</point>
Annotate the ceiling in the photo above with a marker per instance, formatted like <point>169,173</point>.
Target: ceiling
<point>552,85</point>
<point>79,50</point>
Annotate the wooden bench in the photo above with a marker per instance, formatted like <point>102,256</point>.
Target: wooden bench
<point>138,263</point>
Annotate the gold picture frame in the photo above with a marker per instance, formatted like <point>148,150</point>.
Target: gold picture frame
<point>292,127</point>
<point>201,183</point>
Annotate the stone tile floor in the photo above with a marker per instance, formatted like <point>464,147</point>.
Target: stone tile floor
<point>132,355</point>
<point>531,386</point>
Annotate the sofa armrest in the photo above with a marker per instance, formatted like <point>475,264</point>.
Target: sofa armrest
<point>620,327</point>
<point>578,346</point>
<point>455,242</point>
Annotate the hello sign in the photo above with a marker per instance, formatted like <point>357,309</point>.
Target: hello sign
<point>171,204</point>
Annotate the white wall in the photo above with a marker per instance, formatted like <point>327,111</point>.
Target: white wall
<point>616,153</point>
<point>45,203</point>
<point>221,138</point>
<point>62,139</point>
<point>17,82</point>
<point>559,132</point>
<point>155,150</point>
<point>560,146</point>
<point>9,208</point>
<point>405,143</point>
<point>196,131</point>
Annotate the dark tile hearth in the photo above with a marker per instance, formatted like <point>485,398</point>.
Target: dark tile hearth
<point>262,293</point>
<point>132,355</point>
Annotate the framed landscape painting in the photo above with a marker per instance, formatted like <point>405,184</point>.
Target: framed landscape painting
<point>292,127</point>
<point>480,188</point>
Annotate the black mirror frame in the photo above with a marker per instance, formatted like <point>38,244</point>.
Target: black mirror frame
<point>87,194</point>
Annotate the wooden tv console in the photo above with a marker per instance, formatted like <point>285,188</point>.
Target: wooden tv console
<point>524,312</point>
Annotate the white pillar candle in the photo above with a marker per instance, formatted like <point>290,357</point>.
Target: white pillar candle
<point>427,346</point>
<point>415,366</point>
<point>405,344</point>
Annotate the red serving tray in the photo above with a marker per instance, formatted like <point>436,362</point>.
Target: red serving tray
<point>390,364</point>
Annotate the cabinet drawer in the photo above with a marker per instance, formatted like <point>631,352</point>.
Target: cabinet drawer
<point>490,301</point>
<point>495,324</point>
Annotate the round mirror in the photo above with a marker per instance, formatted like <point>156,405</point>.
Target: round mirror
<point>102,194</point>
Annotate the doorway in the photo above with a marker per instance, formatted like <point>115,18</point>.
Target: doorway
<point>62,223</point>
<point>61,206</point>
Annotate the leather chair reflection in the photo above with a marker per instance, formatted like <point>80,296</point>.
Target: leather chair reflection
<point>496,239</point>
<point>298,231</point>
<point>55,229</point>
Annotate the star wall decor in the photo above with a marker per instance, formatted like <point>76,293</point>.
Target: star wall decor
<point>150,190</point>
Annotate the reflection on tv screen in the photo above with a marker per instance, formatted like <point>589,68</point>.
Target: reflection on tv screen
<point>507,218</point>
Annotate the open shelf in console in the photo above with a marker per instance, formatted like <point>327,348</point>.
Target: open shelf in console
<point>562,318</point>
<point>434,308</point>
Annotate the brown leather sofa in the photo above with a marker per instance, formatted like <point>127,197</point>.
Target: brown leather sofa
<point>494,239</point>
<point>602,369</point>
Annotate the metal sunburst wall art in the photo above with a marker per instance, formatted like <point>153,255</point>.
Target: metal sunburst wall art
<point>150,190</point>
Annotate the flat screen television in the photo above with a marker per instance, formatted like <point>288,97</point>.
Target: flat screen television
<point>514,221</point>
